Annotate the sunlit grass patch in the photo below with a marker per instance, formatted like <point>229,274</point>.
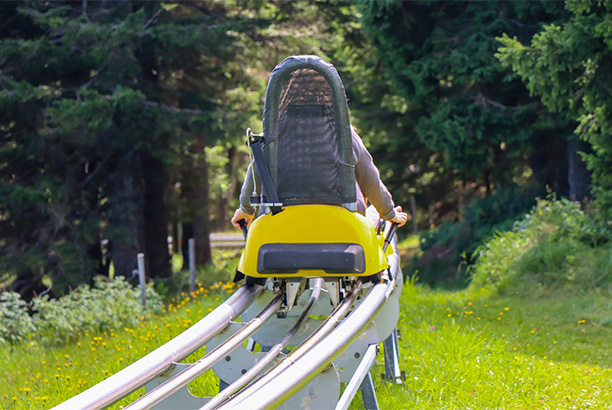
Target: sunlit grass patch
<point>464,351</point>
<point>39,376</point>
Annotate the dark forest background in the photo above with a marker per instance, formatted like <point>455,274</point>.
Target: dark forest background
<point>122,122</point>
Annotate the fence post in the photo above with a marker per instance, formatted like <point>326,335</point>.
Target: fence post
<point>141,279</point>
<point>413,215</point>
<point>192,263</point>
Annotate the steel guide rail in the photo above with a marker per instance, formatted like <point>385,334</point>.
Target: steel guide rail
<point>161,359</point>
<point>197,368</point>
<point>294,374</point>
<point>323,330</point>
<point>271,355</point>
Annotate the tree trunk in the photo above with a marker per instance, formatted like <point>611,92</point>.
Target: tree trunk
<point>230,192</point>
<point>201,222</point>
<point>187,234</point>
<point>195,192</point>
<point>126,214</point>
<point>156,221</point>
<point>578,176</point>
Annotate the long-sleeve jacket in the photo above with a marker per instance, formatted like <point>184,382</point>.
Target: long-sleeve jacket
<point>369,186</point>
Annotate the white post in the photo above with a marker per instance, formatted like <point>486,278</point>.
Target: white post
<point>192,264</point>
<point>141,278</point>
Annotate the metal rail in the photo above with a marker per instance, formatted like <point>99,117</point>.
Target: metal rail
<point>194,370</point>
<point>278,384</point>
<point>271,355</point>
<point>281,385</point>
<point>161,359</point>
<point>323,330</point>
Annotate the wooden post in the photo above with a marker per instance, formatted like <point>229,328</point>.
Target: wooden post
<point>460,199</point>
<point>192,263</point>
<point>413,215</point>
<point>141,279</point>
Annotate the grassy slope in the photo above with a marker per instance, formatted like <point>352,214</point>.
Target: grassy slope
<point>458,351</point>
<point>39,377</point>
<point>461,351</point>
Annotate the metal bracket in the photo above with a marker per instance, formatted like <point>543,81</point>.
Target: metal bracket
<point>182,399</point>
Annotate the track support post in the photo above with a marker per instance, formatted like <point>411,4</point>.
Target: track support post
<point>392,370</point>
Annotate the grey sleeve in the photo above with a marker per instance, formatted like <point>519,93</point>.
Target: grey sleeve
<point>368,178</point>
<point>246,191</point>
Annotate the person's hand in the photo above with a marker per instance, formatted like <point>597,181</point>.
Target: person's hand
<point>400,217</point>
<point>240,214</point>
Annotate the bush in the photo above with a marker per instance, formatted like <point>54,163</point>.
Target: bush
<point>108,305</point>
<point>15,322</point>
<point>556,244</point>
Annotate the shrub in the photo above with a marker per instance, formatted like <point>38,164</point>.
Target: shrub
<point>15,322</point>
<point>556,244</point>
<point>108,305</point>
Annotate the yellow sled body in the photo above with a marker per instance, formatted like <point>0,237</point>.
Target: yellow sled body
<point>312,241</point>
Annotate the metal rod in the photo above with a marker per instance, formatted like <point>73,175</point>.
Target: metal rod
<point>265,177</point>
<point>368,394</point>
<point>299,373</point>
<point>391,354</point>
<point>272,353</point>
<point>171,386</point>
<point>158,361</point>
<point>141,279</point>
<point>192,265</point>
<point>351,389</point>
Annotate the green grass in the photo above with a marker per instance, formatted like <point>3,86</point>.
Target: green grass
<point>458,351</point>
<point>35,376</point>
<point>461,351</point>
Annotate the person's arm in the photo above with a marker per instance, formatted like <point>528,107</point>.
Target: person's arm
<point>246,191</point>
<point>245,211</point>
<point>368,178</point>
<point>372,187</point>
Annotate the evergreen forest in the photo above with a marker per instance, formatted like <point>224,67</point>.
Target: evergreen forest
<point>122,123</point>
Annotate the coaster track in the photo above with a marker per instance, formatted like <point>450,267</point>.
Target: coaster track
<point>289,375</point>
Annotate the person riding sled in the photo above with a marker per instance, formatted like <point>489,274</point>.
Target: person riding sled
<point>303,144</point>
